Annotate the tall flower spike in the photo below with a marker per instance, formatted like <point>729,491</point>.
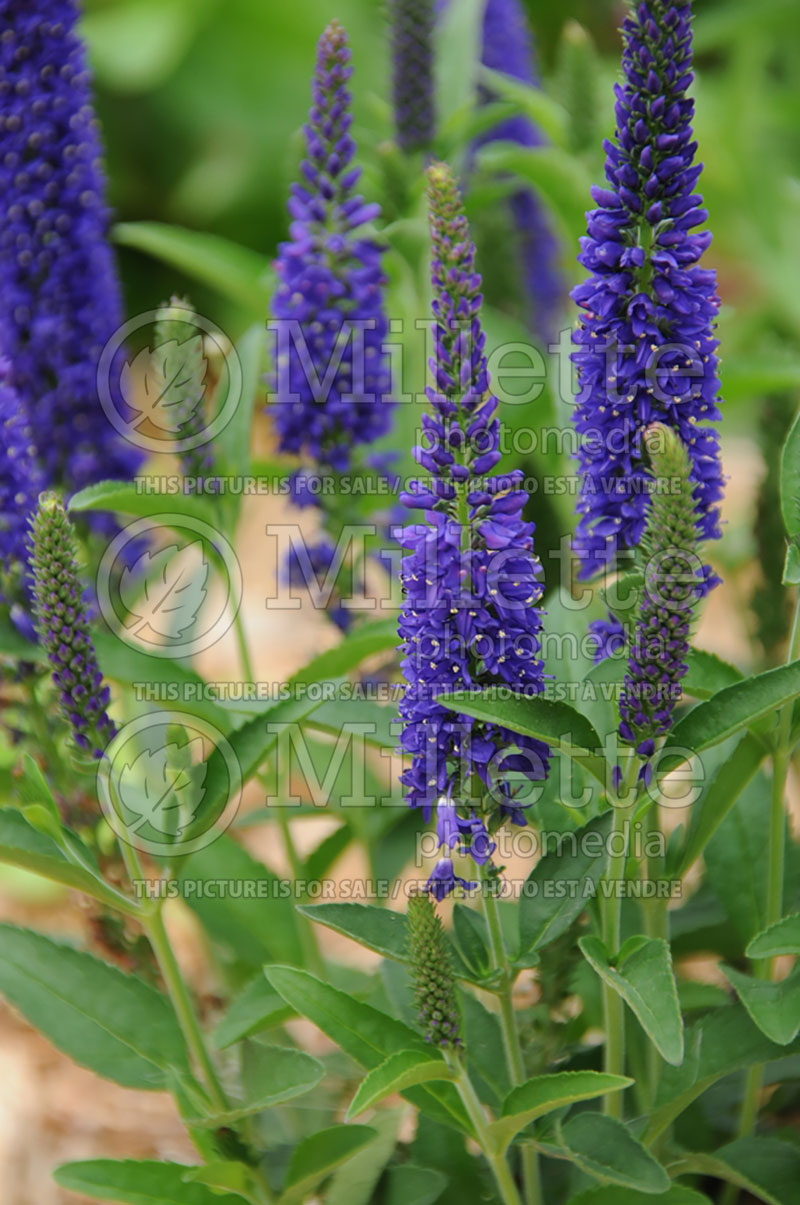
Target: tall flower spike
<point>432,974</point>
<point>471,577</point>
<point>332,380</point>
<point>674,578</point>
<point>63,628</point>
<point>182,371</point>
<point>20,485</point>
<point>508,47</point>
<point>412,71</point>
<point>58,287</point>
<point>645,346</point>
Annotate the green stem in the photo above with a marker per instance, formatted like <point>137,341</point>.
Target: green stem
<point>308,937</point>
<point>244,648</point>
<point>508,1026</point>
<point>611,925</point>
<point>498,1163</point>
<point>153,925</point>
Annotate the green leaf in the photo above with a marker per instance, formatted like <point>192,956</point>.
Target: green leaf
<point>774,1007</point>
<point>257,927</point>
<point>544,913</point>
<point>270,1076</point>
<point>791,566</point>
<point>765,1167</point>
<point>378,929</point>
<point>676,1195</point>
<point>123,498</point>
<point>355,1181</point>
<point>400,1071</point>
<point>719,1044</point>
<point>366,1034</point>
<point>410,1185</point>
<point>547,720</point>
<point>226,1175</point>
<point>318,1155</point>
<point>112,1023</point>
<point>136,1182</point>
<point>235,271</point>
<point>232,445</point>
<point>472,940</point>
<point>545,1093</point>
<point>27,847</point>
<point>781,938</point>
<point>560,178</point>
<point>716,802</point>
<point>545,112</point>
<point>790,480</point>
<point>646,982</point>
<point>32,787</point>
<point>256,1008</point>
<point>606,1149</point>
<point>734,708</point>
<point>708,674</point>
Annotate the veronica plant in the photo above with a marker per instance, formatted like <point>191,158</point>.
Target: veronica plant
<point>412,71</point>
<point>471,577</point>
<point>58,285</point>
<point>20,485</point>
<point>332,386</point>
<point>645,345</point>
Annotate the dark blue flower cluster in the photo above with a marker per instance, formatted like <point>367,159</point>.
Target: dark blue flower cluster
<point>508,47</point>
<point>332,380</point>
<point>471,579</point>
<point>20,485</point>
<point>58,289</point>
<point>674,580</point>
<point>412,71</point>
<point>645,345</point>
<point>63,627</point>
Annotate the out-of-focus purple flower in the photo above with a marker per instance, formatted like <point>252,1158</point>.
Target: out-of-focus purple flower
<point>332,380</point>
<point>58,288</point>
<point>609,637</point>
<point>311,568</point>
<point>674,581</point>
<point>645,345</point>
<point>471,577</point>
<point>443,879</point>
<point>20,484</point>
<point>63,627</point>
<point>508,47</point>
<point>412,71</point>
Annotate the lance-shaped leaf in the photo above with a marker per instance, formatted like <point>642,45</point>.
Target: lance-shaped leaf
<point>678,1194</point>
<point>547,720</point>
<point>123,498</point>
<point>643,976</point>
<point>403,1070</point>
<point>545,1093</point>
<point>717,800</point>
<point>545,912</point>
<point>730,710</point>
<point>320,1154</point>
<point>774,1007</point>
<point>765,1167</point>
<point>606,1149</point>
<point>781,938</point>
<point>367,1035</point>
<point>790,481</point>
<point>138,1182</point>
<point>112,1023</point>
<point>270,1076</point>
<point>164,590</point>
<point>257,1007</point>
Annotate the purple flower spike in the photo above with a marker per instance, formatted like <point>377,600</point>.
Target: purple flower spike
<point>332,380</point>
<point>58,286</point>
<point>63,628</point>
<point>645,345</point>
<point>471,579</point>
<point>20,485</point>
<point>412,71</point>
